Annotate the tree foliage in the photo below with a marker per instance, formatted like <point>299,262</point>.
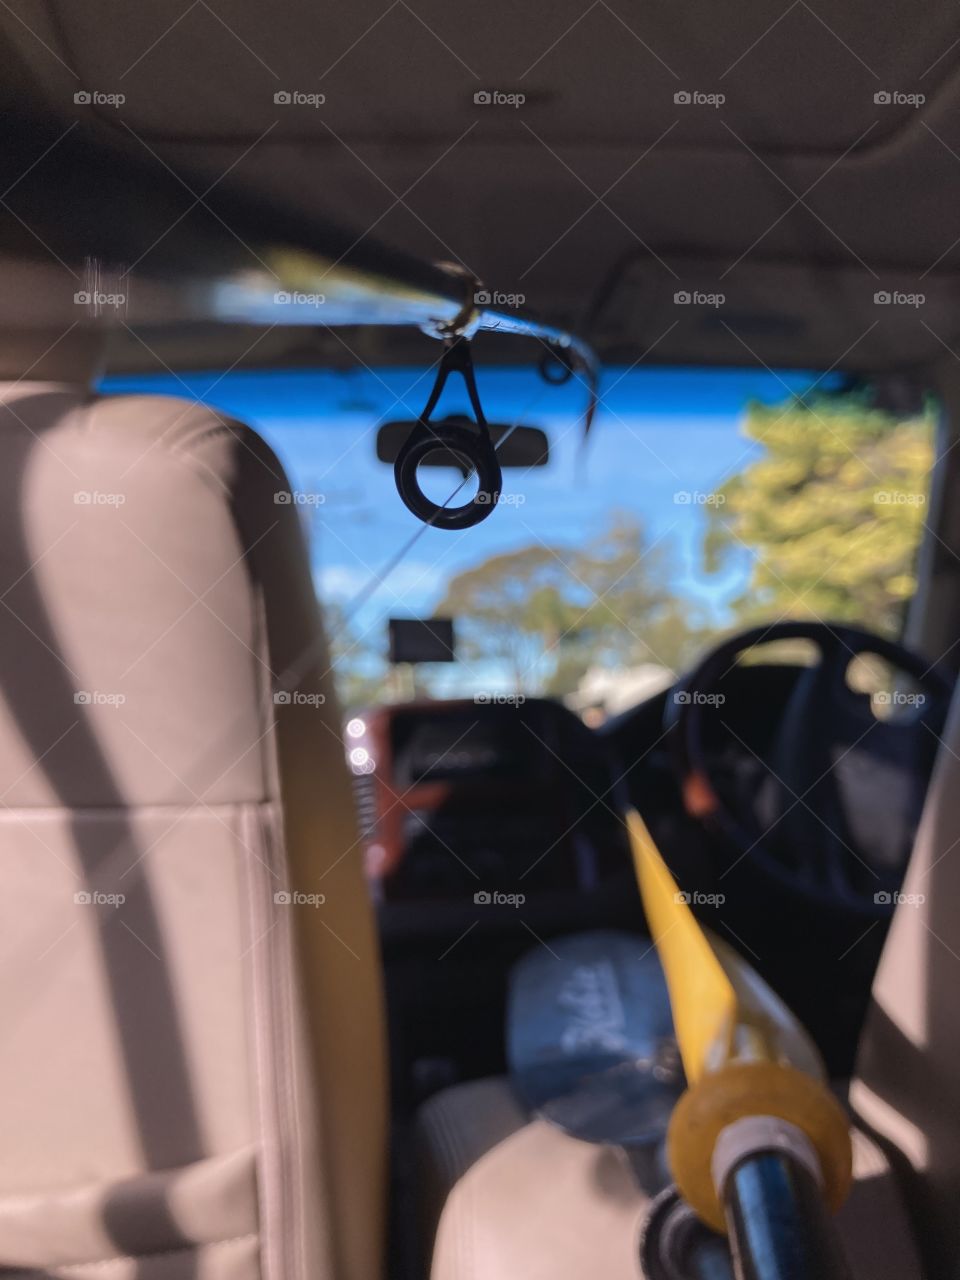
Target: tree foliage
<point>548,612</point>
<point>832,512</point>
<point>358,656</point>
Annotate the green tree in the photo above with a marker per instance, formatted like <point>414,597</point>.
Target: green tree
<point>358,659</point>
<point>832,511</point>
<point>633,613</point>
<point>548,612</point>
<point>511,608</point>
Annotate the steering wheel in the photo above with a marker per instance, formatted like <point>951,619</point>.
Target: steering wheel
<point>832,807</point>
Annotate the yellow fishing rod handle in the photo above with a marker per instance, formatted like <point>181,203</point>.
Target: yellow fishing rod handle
<point>741,1089</point>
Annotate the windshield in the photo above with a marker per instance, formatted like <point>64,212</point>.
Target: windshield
<point>701,501</point>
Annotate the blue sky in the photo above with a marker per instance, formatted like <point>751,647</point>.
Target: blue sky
<point>658,432</point>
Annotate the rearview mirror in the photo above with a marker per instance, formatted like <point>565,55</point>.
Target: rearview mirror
<point>520,447</point>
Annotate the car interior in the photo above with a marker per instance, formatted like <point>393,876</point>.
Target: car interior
<point>479,628</point>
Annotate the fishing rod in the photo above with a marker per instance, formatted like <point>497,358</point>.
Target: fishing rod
<point>758,1146</point>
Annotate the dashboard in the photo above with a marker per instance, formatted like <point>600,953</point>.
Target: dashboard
<point>494,797</point>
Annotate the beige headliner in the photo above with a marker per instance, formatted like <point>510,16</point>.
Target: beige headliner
<point>798,199</point>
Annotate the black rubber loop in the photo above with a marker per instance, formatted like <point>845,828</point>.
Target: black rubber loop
<point>464,443</point>
<point>474,446</point>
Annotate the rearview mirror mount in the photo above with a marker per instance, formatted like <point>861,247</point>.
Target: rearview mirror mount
<point>516,446</point>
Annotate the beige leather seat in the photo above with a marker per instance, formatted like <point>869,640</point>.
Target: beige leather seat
<point>191,1074</point>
